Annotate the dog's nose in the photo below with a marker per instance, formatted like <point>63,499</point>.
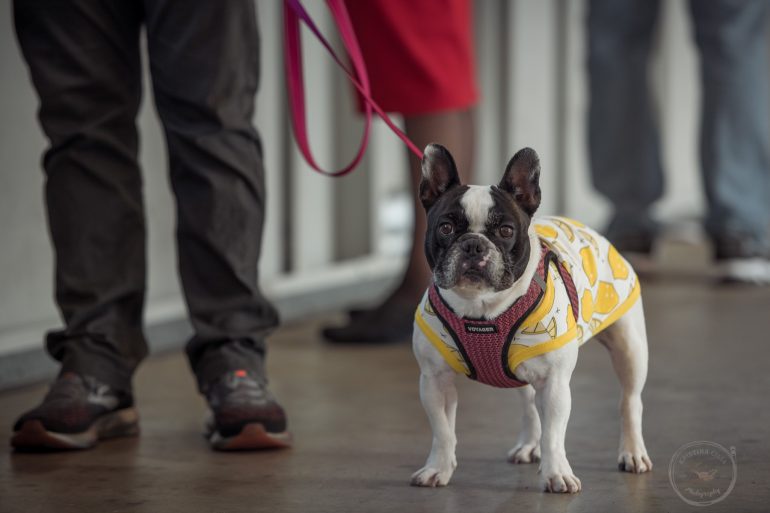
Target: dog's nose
<point>472,246</point>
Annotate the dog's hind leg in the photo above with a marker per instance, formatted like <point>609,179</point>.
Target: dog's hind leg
<point>626,341</point>
<point>527,448</point>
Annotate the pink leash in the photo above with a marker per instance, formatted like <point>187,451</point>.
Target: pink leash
<point>294,12</point>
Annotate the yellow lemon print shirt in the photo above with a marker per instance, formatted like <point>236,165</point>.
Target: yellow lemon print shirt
<point>605,283</point>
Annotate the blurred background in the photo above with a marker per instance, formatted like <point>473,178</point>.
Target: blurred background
<point>335,243</point>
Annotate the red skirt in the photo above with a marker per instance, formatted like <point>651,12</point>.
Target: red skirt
<point>419,53</point>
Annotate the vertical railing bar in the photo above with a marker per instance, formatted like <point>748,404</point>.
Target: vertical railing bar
<point>560,100</point>
<point>507,66</point>
<point>287,183</point>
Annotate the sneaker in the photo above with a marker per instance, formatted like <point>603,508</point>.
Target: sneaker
<point>77,412</point>
<point>391,322</point>
<point>244,414</point>
<point>638,249</point>
<point>741,259</point>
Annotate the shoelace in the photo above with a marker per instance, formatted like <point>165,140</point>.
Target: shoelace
<point>77,387</point>
<point>66,388</point>
<point>239,390</point>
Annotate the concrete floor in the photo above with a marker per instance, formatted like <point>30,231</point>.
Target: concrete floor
<point>360,430</point>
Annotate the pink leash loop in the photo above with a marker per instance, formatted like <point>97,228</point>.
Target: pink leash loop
<point>294,12</point>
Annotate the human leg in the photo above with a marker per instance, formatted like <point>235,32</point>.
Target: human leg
<point>623,136</point>
<point>204,59</point>
<point>428,76</point>
<point>83,58</point>
<point>735,132</point>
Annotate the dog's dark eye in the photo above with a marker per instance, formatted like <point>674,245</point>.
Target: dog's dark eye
<point>446,228</point>
<point>506,232</point>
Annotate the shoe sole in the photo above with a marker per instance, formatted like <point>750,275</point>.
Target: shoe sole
<point>333,336</point>
<point>34,436</point>
<point>754,271</point>
<point>252,437</point>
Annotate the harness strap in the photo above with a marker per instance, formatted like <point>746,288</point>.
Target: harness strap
<point>485,343</point>
<point>569,284</point>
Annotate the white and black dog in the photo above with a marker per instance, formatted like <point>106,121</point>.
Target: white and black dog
<point>512,300</point>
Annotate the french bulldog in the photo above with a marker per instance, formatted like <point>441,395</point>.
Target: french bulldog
<point>513,297</point>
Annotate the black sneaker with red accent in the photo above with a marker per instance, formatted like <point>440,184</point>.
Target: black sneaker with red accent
<point>77,412</point>
<point>244,414</point>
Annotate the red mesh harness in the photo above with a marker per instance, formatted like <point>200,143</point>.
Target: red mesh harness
<point>483,343</point>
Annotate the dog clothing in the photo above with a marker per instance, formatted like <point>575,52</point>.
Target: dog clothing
<point>581,286</point>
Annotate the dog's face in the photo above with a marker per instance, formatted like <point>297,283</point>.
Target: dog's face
<point>477,239</point>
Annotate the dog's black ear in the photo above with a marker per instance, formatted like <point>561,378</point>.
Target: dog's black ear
<point>522,180</point>
<point>439,174</point>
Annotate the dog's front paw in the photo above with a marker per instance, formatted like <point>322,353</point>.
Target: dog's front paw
<point>560,479</point>
<point>634,460</point>
<point>432,476</point>
<point>524,452</point>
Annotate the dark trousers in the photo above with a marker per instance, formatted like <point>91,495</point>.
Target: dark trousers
<point>84,61</point>
<point>731,36</point>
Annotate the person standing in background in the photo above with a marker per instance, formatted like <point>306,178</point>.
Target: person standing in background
<point>625,154</point>
<point>420,59</point>
<point>85,64</point>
